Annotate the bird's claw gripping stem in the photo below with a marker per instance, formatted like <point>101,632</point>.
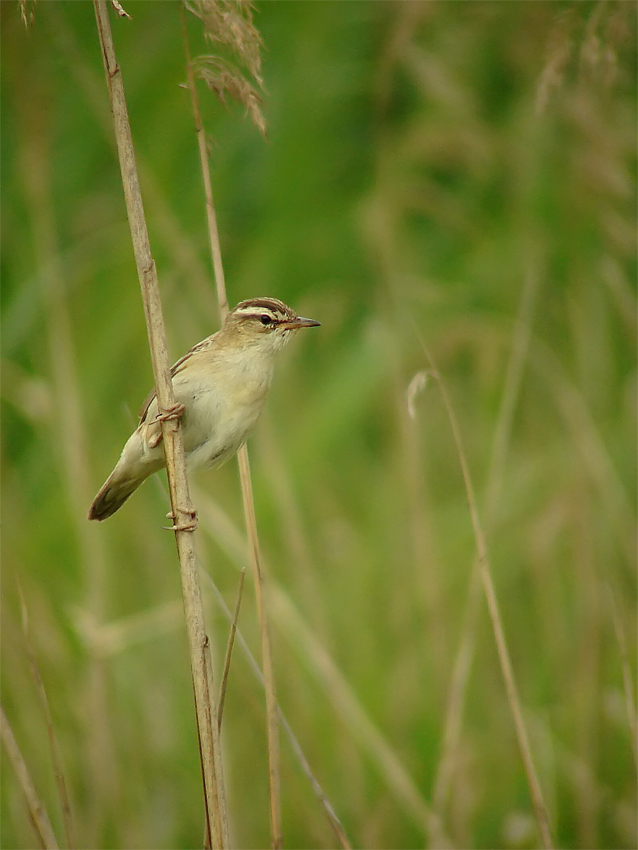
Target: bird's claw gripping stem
<point>187,521</point>
<point>175,411</point>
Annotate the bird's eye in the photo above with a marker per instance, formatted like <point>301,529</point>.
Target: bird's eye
<point>265,319</point>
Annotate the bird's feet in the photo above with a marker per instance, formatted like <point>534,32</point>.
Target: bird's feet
<point>187,521</point>
<point>175,411</point>
<point>154,432</point>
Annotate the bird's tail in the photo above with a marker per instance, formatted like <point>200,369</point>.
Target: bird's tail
<point>113,493</point>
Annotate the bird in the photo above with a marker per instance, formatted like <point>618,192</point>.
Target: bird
<point>220,387</point>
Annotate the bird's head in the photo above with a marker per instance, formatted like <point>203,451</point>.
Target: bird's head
<point>265,322</point>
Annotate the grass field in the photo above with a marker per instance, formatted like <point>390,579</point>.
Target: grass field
<point>450,188</point>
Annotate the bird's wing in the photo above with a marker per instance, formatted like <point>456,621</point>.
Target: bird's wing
<point>175,368</point>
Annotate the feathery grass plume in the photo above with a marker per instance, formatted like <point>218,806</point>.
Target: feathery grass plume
<point>27,15</point>
<point>597,59</point>
<point>587,48</point>
<point>228,25</point>
<point>559,53</point>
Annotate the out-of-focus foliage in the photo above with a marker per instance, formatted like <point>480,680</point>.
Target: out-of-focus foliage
<point>450,176</point>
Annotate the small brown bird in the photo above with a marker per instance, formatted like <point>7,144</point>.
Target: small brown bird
<point>222,382</point>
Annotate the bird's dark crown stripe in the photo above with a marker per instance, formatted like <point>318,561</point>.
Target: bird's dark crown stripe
<point>265,304</point>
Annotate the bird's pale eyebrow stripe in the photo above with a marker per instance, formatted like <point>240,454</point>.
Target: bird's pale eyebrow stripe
<point>258,311</point>
<point>275,317</point>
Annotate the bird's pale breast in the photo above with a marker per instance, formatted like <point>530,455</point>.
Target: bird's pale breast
<point>222,406</point>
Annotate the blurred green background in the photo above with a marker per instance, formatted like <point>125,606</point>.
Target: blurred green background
<point>453,177</point>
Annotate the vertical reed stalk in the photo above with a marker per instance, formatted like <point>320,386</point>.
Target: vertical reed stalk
<point>38,813</point>
<point>229,647</point>
<point>221,528</point>
<point>465,652</point>
<point>201,665</point>
<point>327,806</point>
<point>266,651</point>
<point>246,485</point>
<point>625,668</point>
<point>69,439</point>
<point>540,809</point>
<point>56,757</point>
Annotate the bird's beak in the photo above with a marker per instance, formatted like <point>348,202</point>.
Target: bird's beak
<point>300,322</point>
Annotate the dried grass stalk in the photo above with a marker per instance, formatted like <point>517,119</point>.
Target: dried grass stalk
<point>201,665</point>
<point>229,648</point>
<point>56,757</point>
<point>500,444</point>
<point>224,26</point>
<point>38,813</point>
<point>538,802</point>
